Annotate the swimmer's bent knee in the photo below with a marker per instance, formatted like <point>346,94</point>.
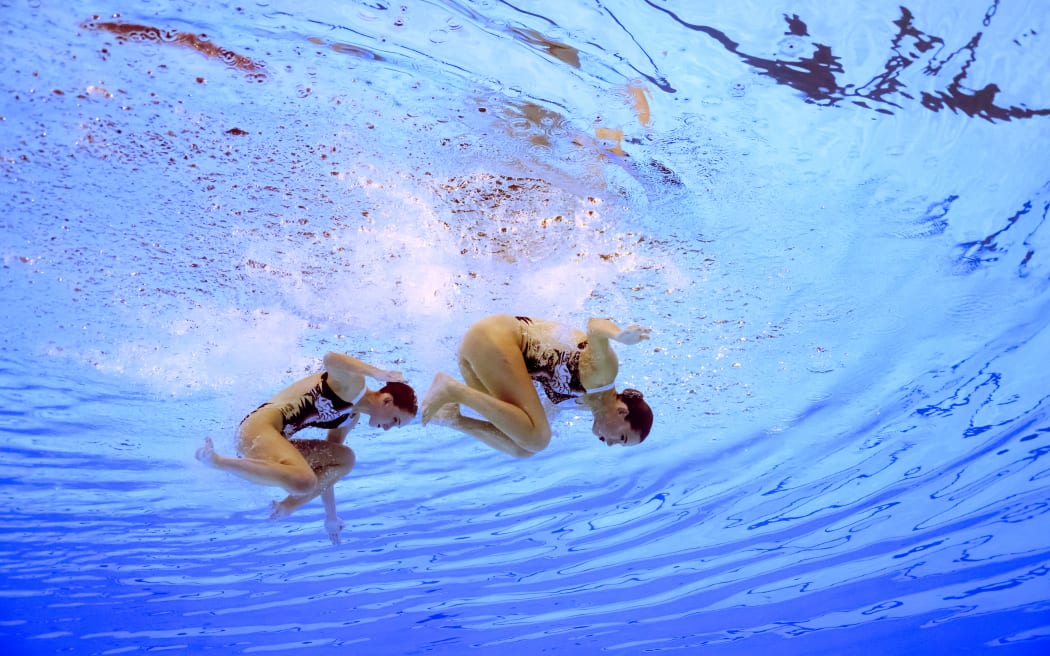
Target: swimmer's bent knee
<point>301,482</point>
<point>348,459</point>
<point>535,442</point>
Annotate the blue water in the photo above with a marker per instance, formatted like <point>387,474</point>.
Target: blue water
<point>832,215</point>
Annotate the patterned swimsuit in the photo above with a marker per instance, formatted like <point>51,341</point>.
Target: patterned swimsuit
<point>321,407</point>
<point>556,367</point>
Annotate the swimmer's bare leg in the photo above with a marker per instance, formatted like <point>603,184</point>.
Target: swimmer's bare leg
<point>510,429</point>
<point>330,462</point>
<point>450,416</point>
<point>293,477</point>
<point>326,478</point>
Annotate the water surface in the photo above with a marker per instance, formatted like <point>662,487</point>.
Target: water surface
<point>832,218</point>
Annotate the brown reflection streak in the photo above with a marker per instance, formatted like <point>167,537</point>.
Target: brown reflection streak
<point>639,102</point>
<point>605,140</point>
<point>535,118</point>
<point>136,32</point>
<point>610,134</point>
<point>346,49</point>
<point>560,51</point>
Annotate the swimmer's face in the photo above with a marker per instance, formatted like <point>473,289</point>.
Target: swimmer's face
<point>612,428</point>
<point>389,415</point>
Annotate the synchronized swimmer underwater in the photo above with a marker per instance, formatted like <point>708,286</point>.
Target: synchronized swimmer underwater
<point>333,400</point>
<point>502,360</point>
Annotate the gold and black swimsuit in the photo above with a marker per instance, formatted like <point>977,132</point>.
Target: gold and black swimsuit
<point>321,407</point>
<point>556,367</point>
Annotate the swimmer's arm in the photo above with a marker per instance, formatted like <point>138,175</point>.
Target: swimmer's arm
<point>601,360</point>
<point>332,524</point>
<point>338,435</point>
<point>603,330</point>
<point>344,365</point>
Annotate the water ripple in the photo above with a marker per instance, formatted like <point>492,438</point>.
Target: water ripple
<point>851,415</point>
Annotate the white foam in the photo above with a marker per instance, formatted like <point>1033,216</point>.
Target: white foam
<point>208,348</point>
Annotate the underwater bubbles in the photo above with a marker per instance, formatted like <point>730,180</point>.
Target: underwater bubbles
<point>794,47</point>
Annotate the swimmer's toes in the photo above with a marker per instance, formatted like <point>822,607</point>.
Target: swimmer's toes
<point>206,453</point>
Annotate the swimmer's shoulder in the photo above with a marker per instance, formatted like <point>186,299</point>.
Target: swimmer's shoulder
<point>296,390</point>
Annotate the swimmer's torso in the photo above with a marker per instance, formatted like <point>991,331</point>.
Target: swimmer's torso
<point>308,404</point>
<point>552,354</point>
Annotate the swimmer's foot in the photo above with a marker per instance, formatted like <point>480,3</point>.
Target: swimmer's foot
<point>280,509</point>
<point>439,395</point>
<point>206,453</point>
<point>288,505</point>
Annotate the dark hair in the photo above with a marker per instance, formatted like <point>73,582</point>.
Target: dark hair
<point>404,396</point>
<point>639,414</point>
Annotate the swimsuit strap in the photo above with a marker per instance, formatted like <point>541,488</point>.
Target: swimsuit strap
<point>602,388</point>
<point>360,395</point>
<point>326,386</point>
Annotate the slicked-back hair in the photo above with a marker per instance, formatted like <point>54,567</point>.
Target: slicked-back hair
<point>403,395</point>
<point>639,414</point>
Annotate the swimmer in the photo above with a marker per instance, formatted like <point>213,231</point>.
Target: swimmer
<point>501,357</point>
<point>306,469</point>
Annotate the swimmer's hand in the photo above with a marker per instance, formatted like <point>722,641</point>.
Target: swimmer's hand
<point>345,365</point>
<point>633,334</point>
<point>334,526</point>
<point>354,418</point>
<point>338,434</point>
<point>388,376</point>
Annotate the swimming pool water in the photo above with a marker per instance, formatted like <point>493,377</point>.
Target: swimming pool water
<point>833,218</point>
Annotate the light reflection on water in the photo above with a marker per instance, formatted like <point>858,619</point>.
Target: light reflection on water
<point>848,295</point>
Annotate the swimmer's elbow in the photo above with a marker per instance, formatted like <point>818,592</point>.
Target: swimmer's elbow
<point>335,361</point>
